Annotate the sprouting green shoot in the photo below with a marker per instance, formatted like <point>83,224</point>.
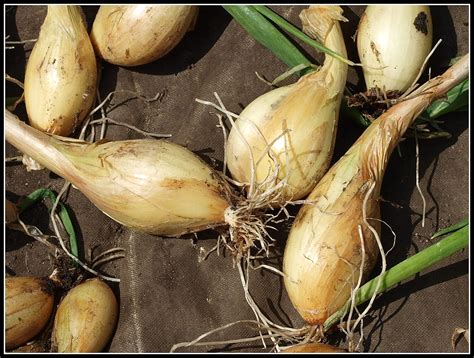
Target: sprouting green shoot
<point>263,31</point>
<point>39,195</point>
<point>451,229</point>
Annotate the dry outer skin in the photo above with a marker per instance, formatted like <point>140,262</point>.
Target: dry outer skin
<point>136,36</point>
<point>166,295</point>
<point>28,307</point>
<point>61,78</point>
<point>85,318</point>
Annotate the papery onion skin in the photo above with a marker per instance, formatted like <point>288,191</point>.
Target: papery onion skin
<point>86,318</point>
<point>61,73</point>
<point>323,253</point>
<point>29,303</point>
<point>153,186</point>
<point>313,348</point>
<point>133,35</point>
<point>308,109</point>
<point>396,37</point>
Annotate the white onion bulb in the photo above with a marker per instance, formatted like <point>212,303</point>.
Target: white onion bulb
<point>393,42</point>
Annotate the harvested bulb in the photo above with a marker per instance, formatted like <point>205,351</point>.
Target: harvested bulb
<point>149,185</point>
<point>287,135</point>
<point>334,239</point>
<point>133,35</point>
<point>61,73</point>
<point>86,318</point>
<point>29,304</point>
<point>393,42</point>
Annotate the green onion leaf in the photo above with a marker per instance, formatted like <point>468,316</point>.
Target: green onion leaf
<point>458,240</point>
<point>450,229</point>
<point>457,98</point>
<point>39,195</point>
<point>267,34</point>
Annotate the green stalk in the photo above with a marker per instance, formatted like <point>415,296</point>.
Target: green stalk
<point>268,35</point>
<point>409,267</point>
<point>293,30</point>
<point>456,99</point>
<point>39,195</point>
<point>450,229</point>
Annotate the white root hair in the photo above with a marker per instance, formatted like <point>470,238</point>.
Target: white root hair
<point>247,220</point>
<point>248,225</point>
<point>104,119</point>
<point>275,332</point>
<point>14,80</point>
<point>350,330</point>
<point>417,176</point>
<point>33,232</point>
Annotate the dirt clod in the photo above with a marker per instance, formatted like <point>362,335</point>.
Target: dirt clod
<point>372,103</point>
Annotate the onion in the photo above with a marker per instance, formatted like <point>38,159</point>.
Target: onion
<point>308,109</point>
<point>28,307</point>
<point>393,42</point>
<point>324,253</point>
<point>148,185</point>
<point>86,318</point>
<point>61,73</point>
<point>132,35</point>
<point>313,348</point>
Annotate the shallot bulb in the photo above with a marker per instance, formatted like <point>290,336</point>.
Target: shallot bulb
<point>287,135</point>
<point>29,303</point>
<point>133,35</point>
<point>86,318</point>
<point>61,73</point>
